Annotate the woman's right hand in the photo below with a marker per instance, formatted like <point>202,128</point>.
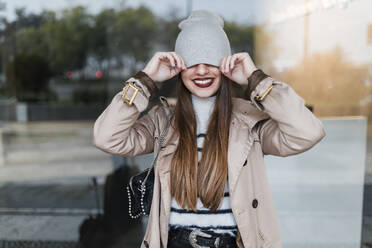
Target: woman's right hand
<point>164,65</point>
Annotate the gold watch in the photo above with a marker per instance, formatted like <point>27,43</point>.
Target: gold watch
<point>125,92</point>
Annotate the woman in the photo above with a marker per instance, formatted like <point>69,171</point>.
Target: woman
<point>211,187</point>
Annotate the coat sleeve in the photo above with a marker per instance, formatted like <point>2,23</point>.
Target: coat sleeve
<point>120,131</point>
<point>292,128</point>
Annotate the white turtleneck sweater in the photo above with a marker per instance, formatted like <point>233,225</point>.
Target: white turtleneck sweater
<point>222,220</point>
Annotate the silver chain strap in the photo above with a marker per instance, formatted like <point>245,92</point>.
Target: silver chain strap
<point>143,186</point>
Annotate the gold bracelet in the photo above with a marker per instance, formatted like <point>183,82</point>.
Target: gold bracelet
<point>126,88</point>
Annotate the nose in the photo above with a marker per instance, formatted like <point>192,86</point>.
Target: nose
<point>201,69</point>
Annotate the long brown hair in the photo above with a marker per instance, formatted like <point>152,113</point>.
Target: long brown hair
<point>208,180</point>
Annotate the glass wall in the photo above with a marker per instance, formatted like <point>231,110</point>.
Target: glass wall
<point>61,64</point>
<point>323,49</point>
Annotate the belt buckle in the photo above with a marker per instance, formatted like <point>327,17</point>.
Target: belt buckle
<point>192,239</point>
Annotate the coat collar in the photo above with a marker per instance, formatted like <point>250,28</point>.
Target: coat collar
<point>248,113</point>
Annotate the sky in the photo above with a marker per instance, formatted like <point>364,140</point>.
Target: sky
<point>241,11</point>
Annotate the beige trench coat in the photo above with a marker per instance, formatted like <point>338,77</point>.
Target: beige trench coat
<point>287,128</point>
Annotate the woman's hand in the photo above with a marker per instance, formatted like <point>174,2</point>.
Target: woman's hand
<point>164,65</point>
<point>238,67</point>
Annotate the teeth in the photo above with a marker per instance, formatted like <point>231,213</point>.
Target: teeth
<point>203,81</point>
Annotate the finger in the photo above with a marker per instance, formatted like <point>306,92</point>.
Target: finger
<point>162,55</point>
<point>243,56</point>
<point>227,70</point>
<point>233,61</point>
<point>222,65</point>
<point>182,61</point>
<point>245,60</point>
<point>161,58</point>
<point>171,60</point>
<point>176,71</point>
<point>175,57</point>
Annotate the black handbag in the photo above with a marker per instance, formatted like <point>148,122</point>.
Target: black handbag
<point>141,186</point>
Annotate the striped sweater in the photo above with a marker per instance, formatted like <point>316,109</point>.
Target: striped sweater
<point>220,221</point>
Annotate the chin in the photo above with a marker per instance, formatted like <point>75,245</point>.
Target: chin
<point>204,95</point>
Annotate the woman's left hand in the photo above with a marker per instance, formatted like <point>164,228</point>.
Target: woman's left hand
<point>238,67</point>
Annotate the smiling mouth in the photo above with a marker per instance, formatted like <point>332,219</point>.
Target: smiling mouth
<point>203,82</point>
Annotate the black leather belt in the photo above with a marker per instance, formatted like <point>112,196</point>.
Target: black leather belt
<point>182,237</point>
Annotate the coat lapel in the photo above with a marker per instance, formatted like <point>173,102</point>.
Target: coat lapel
<point>244,118</point>
<point>239,146</point>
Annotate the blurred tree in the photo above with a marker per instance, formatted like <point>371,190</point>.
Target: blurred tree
<point>65,42</point>
<point>68,39</point>
<point>27,78</point>
<point>168,30</point>
<point>133,38</point>
<point>7,39</point>
<point>24,19</point>
<point>126,37</point>
<point>101,46</point>
<point>9,32</point>
<point>2,19</point>
<point>114,40</point>
<point>240,37</point>
<point>31,40</point>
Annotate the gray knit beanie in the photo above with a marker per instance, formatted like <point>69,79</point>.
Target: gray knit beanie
<point>202,39</point>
